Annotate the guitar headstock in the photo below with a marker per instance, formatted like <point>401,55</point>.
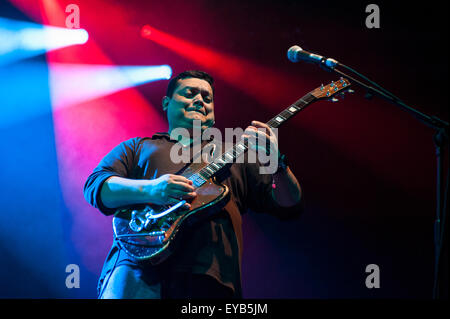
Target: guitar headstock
<point>330,90</point>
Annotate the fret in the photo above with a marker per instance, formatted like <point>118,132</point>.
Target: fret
<point>302,101</point>
<point>228,157</point>
<point>279,119</point>
<point>241,147</point>
<point>197,180</point>
<point>203,174</point>
<point>286,114</point>
<point>293,109</point>
<point>290,111</point>
<point>215,166</point>
<point>273,123</point>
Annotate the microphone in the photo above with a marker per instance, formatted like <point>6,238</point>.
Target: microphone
<point>296,54</point>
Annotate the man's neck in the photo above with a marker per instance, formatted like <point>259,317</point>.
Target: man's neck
<point>187,136</point>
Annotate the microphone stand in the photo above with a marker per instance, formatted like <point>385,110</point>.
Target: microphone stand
<point>440,139</point>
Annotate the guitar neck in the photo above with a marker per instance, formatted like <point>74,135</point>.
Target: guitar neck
<point>291,110</point>
<point>230,156</point>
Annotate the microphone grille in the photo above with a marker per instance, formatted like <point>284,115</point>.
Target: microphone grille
<point>292,53</point>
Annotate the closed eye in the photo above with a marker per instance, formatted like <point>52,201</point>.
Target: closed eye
<point>192,92</point>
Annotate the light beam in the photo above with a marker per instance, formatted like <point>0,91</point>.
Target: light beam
<point>21,39</point>
<point>74,83</point>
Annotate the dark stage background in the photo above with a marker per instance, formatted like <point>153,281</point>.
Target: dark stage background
<point>366,167</point>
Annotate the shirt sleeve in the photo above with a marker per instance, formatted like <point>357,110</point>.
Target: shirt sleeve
<point>259,195</point>
<point>118,162</point>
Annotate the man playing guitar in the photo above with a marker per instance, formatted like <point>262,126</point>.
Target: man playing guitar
<point>207,260</point>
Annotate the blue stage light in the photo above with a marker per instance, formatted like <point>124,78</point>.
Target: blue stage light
<point>74,83</point>
<point>21,39</point>
<point>24,92</point>
<point>141,74</point>
<point>28,87</point>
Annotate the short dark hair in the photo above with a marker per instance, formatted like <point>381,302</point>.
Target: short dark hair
<point>186,75</point>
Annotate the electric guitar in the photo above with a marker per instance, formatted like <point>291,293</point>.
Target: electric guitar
<point>151,232</point>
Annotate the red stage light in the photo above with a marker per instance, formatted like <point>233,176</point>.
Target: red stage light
<point>146,31</point>
<point>244,74</point>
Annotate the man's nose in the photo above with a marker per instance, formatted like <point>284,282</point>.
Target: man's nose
<point>198,101</point>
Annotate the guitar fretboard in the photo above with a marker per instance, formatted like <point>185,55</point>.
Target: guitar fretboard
<point>229,157</point>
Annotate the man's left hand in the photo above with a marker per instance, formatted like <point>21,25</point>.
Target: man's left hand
<point>262,138</point>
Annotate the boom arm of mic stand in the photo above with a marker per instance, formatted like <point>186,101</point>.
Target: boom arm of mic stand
<point>431,121</point>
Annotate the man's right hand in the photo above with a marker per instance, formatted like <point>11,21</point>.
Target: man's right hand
<point>170,189</point>
<point>164,190</point>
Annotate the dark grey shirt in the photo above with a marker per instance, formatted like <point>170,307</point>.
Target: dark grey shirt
<point>211,247</point>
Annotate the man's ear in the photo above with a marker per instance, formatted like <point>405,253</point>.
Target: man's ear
<point>165,103</point>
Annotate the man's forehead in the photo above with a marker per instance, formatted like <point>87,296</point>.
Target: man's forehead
<point>194,83</point>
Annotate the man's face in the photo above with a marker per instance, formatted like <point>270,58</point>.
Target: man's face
<point>191,100</point>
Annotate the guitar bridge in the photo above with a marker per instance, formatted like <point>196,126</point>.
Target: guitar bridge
<point>142,219</point>
<point>137,221</point>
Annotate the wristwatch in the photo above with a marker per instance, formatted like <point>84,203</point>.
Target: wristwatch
<point>282,166</point>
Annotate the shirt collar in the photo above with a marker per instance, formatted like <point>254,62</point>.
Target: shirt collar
<point>166,135</point>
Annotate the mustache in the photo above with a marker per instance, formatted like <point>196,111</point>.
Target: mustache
<point>193,108</point>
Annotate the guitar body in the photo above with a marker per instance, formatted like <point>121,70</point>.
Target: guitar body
<point>157,242</point>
